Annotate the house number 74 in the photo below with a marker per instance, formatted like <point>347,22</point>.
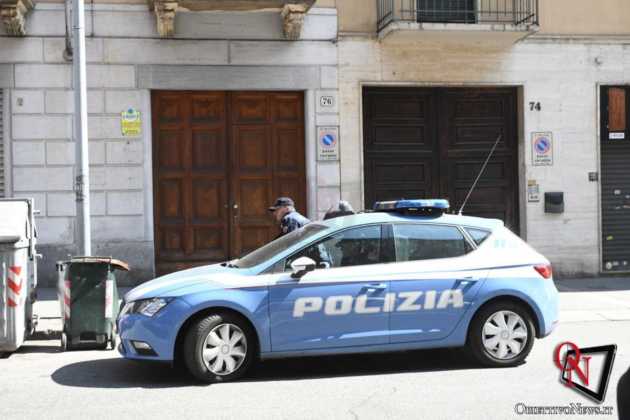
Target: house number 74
<point>535,106</point>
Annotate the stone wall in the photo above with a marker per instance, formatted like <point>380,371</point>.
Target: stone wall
<point>126,60</point>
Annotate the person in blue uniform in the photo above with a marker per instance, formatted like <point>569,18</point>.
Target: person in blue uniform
<point>286,216</point>
<point>342,208</point>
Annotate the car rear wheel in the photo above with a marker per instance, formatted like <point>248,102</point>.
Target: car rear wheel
<point>219,348</point>
<point>501,334</point>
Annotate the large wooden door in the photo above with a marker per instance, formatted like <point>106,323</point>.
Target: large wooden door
<point>432,142</point>
<point>219,160</point>
<point>267,138</point>
<point>400,144</point>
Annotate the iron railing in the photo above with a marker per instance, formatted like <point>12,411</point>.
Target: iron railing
<point>515,12</point>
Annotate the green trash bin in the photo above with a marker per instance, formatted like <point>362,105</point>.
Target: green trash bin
<point>88,297</point>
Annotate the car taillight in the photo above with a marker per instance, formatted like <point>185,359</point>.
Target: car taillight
<point>544,270</point>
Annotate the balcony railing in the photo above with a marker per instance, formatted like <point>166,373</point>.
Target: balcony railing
<point>513,12</point>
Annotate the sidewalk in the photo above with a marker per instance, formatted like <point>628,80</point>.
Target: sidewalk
<point>593,299</point>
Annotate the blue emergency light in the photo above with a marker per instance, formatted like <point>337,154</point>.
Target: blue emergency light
<point>425,207</point>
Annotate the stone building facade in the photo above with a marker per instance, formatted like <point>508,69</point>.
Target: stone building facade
<point>235,96</point>
<point>555,70</point>
<point>131,55</point>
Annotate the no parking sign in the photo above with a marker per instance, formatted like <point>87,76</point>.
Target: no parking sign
<point>542,149</point>
<point>328,143</point>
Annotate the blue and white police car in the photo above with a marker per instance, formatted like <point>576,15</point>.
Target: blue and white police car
<point>406,276</point>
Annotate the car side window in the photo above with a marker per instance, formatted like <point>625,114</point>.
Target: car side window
<point>358,246</point>
<point>478,235</point>
<point>424,242</point>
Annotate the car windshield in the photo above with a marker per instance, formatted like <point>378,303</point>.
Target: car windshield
<point>263,253</point>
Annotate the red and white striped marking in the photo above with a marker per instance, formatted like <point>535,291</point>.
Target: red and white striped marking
<point>15,282</point>
<point>66,299</point>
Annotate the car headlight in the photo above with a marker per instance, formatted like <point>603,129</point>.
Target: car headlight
<point>146,307</point>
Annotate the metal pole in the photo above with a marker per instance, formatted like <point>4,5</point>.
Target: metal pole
<point>82,181</point>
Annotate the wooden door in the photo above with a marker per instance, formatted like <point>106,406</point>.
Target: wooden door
<point>470,122</point>
<point>432,142</point>
<point>219,160</point>
<point>400,144</point>
<point>267,138</point>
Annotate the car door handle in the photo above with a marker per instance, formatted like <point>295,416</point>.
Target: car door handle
<point>465,283</point>
<point>374,288</point>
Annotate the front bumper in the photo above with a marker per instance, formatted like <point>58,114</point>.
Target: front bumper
<point>159,332</point>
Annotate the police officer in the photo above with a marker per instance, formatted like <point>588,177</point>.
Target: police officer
<point>286,216</point>
<point>342,208</point>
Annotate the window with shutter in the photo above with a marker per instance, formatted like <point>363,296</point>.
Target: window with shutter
<point>446,11</point>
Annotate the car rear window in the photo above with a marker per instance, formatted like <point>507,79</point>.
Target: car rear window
<point>478,235</point>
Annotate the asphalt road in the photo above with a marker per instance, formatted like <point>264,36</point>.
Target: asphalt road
<point>40,381</point>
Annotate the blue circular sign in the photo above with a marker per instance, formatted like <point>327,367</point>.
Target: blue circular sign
<point>328,140</point>
<point>542,145</point>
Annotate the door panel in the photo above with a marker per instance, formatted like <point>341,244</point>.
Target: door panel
<point>432,287</point>
<point>296,325</point>
<point>220,159</point>
<point>472,120</point>
<point>431,302</point>
<point>268,161</point>
<point>400,144</point>
<point>432,142</point>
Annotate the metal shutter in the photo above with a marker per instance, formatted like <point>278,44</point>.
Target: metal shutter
<point>615,178</point>
<point>445,11</point>
<point>2,178</point>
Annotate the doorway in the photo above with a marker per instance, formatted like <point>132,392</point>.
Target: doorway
<point>219,160</point>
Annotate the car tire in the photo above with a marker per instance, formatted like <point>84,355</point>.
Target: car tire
<point>65,342</point>
<point>219,348</point>
<point>501,334</point>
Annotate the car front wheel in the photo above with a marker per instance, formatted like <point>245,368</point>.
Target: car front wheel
<point>501,335</point>
<point>219,348</point>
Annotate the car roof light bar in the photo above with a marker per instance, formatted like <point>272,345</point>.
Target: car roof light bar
<point>424,207</point>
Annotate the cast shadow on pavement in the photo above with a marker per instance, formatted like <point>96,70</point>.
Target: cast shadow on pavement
<point>361,365</point>
<point>121,373</point>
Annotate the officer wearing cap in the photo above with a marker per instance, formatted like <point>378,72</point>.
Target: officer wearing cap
<point>286,216</point>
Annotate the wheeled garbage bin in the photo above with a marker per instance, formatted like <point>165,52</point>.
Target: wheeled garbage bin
<point>88,295</point>
<point>18,268</point>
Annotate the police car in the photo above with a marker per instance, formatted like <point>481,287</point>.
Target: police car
<point>405,276</point>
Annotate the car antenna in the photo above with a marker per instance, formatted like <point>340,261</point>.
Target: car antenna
<point>483,168</point>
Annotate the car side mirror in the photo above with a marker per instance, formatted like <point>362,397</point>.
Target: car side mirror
<point>301,266</point>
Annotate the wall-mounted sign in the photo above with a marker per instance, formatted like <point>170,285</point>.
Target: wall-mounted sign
<point>616,136</point>
<point>533,191</point>
<point>327,101</point>
<point>542,149</point>
<point>327,143</point>
<point>131,123</point>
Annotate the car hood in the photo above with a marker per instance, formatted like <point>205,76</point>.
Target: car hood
<point>209,277</point>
